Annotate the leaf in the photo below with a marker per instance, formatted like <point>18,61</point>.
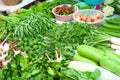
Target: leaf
<point>23,62</point>
<point>51,71</point>
<point>15,72</point>
<point>95,74</point>
<point>35,72</point>
<point>25,74</point>
<point>39,76</point>
<point>28,75</point>
<point>1,75</point>
<point>70,73</point>
<point>13,64</point>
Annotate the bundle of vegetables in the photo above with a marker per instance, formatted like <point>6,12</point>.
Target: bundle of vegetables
<point>116,45</point>
<point>112,27</point>
<point>72,34</point>
<point>105,35</point>
<point>34,24</point>
<point>80,34</point>
<point>27,26</point>
<point>8,23</point>
<point>108,60</point>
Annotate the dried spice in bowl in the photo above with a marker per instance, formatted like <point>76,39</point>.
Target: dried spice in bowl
<point>64,10</point>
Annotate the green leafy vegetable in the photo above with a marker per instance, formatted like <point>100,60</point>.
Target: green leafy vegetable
<point>34,24</point>
<point>72,74</point>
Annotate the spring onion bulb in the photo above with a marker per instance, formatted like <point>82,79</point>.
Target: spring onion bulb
<point>115,40</point>
<point>116,47</point>
<point>117,52</point>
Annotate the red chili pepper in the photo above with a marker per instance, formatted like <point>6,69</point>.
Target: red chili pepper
<point>59,10</point>
<point>65,10</point>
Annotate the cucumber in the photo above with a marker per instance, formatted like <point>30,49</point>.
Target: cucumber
<point>77,57</point>
<point>110,64</point>
<point>113,55</point>
<point>111,26</point>
<point>90,52</point>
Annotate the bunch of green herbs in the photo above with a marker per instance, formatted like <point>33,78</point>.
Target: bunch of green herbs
<point>39,68</point>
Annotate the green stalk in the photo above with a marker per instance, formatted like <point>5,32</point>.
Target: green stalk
<point>98,39</point>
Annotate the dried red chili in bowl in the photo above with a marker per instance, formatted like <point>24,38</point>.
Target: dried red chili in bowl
<point>64,12</point>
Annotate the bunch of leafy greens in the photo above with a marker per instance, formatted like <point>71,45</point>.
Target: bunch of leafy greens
<point>34,24</point>
<point>72,74</point>
<point>27,26</point>
<point>39,68</point>
<point>71,34</point>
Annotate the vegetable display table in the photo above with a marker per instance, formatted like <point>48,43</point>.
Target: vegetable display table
<point>9,9</point>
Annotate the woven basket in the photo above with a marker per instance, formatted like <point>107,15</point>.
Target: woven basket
<point>94,2</point>
<point>11,2</point>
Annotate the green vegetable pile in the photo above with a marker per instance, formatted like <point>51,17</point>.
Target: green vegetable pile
<point>42,70</point>
<point>38,34</point>
<point>29,25</point>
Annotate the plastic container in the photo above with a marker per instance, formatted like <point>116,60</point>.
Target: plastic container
<point>11,2</point>
<point>64,18</point>
<point>90,13</point>
<point>94,2</point>
<point>83,5</point>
